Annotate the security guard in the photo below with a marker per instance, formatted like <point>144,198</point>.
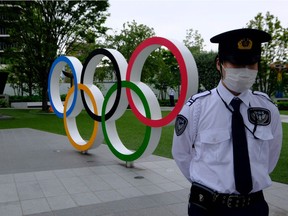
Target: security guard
<point>228,140</point>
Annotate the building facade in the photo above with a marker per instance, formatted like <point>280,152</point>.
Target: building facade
<point>9,11</point>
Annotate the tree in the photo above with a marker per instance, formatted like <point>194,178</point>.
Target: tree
<point>167,73</point>
<point>274,51</point>
<point>194,41</point>
<point>208,75</point>
<point>46,29</point>
<point>160,70</point>
<point>128,39</point>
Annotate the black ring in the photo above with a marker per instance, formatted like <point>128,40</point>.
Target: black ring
<point>106,53</point>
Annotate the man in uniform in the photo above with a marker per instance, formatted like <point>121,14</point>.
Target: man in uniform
<point>227,141</point>
<point>171,97</point>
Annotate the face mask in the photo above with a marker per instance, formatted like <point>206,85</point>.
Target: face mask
<point>239,79</point>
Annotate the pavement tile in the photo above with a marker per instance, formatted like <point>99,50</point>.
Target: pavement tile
<point>74,185</point>
<point>52,187</point>
<point>34,206</point>
<point>24,177</point>
<point>85,198</point>
<point>83,171</point>
<point>42,214</point>
<point>11,209</point>
<point>64,173</point>
<point>136,180</point>
<point>179,209</point>
<point>150,189</point>
<point>100,170</point>
<point>6,178</point>
<point>43,175</point>
<point>129,192</point>
<point>166,199</point>
<point>159,211</point>
<point>169,186</point>
<point>95,183</point>
<point>61,202</point>
<point>8,193</point>
<point>108,195</point>
<point>115,181</point>
<point>58,181</point>
<point>29,190</point>
<point>153,177</point>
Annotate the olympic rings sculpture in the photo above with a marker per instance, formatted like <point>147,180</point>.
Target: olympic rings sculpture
<point>106,110</point>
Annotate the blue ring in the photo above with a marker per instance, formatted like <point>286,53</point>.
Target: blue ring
<point>69,63</point>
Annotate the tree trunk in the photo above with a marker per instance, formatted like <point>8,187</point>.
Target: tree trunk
<point>3,80</point>
<point>45,90</point>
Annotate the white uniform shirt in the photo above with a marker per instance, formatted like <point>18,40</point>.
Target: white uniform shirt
<point>172,92</point>
<point>203,149</point>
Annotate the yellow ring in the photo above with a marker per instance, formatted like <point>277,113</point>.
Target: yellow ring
<point>87,145</point>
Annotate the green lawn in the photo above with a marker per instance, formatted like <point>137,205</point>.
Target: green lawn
<point>131,134</point>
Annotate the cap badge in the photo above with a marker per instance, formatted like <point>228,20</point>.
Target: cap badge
<point>245,44</point>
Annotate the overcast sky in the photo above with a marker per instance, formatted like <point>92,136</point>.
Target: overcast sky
<point>171,18</point>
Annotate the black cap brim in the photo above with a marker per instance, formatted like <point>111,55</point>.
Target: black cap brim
<point>241,59</point>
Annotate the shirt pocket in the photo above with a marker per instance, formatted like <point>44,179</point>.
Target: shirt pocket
<point>215,146</point>
<point>259,148</point>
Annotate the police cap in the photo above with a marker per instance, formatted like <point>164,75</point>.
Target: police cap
<point>241,46</point>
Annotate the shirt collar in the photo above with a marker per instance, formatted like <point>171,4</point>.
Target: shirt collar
<point>227,96</point>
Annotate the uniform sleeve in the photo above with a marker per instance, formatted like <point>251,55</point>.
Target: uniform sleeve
<point>183,139</point>
<point>276,143</point>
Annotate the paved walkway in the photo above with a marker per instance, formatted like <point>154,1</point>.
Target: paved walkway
<point>284,118</point>
<point>42,175</point>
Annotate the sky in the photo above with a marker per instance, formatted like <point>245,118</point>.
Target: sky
<point>172,18</point>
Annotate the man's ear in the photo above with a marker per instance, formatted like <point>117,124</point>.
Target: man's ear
<point>218,64</point>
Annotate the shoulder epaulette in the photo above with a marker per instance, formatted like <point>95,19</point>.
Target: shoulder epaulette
<point>197,96</point>
<point>262,94</point>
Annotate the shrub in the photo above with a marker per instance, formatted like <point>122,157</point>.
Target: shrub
<point>63,96</point>
<point>34,98</point>
<point>3,103</point>
<point>165,103</point>
<point>282,105</point>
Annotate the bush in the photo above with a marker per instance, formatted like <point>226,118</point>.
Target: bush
<point>165,103</point>
<point>63,97</point>
<point>34,98</point>
<point>282,105</point>
<point>3,103</point>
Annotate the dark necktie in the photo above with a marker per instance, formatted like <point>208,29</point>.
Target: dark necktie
<point>242,170</point>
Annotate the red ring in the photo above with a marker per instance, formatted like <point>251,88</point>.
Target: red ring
<point>184,81</point>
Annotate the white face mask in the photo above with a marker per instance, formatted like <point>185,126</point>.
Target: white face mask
<point>239,79</point>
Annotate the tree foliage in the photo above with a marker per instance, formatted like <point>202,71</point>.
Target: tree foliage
<point>208,75</point>
<point>194,41</point>
<point>166,73</point>
<point>274,51</point>
<point>205,61</point>
<point>161,69</point>
<point>126,41</point>
<point>45,29</point>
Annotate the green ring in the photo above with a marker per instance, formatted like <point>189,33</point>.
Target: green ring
<point>137,154</point>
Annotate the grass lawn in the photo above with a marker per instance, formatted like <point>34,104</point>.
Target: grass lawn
<point>131,134</point>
